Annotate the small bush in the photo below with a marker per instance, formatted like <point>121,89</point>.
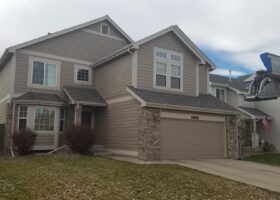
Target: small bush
<point>267,147</point>
<point>79,138</point>
<point>23,141</point>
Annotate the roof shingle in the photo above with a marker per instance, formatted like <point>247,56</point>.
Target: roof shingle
<point>255,112</point>
<point>84,95</point>
<point>203,101</point>
<point>40,97</point>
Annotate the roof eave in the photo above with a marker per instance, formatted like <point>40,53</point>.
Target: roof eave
<point>5,57</point>
<point>127,49</point>
<point>175,107</point>
<point>194,109</point>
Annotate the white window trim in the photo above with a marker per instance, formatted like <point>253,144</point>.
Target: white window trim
<point>44,60</point>
<point>104,24</point>
<point>168,74</point>
<point>225,93</point>
<point>22,117</point>
<point>43,131</point>
<point>77,67</point>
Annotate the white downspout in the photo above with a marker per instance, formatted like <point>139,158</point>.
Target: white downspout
<point>12,131</point>
<point>255,136</point>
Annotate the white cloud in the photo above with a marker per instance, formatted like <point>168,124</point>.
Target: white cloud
<point>225,72</point>
<point>240,28</point>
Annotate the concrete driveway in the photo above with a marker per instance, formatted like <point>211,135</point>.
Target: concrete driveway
<point>259,175</point>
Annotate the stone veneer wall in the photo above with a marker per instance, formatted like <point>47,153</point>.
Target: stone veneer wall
<point>232,136</point>
<point>149,134</point>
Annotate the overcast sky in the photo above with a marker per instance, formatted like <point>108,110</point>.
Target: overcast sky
<point>232,33</point>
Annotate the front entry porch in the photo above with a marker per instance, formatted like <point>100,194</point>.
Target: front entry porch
<point>251,123</point>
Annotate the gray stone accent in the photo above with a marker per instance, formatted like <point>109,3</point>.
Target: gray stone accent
<point>149,134</point>
<point>232,136</point>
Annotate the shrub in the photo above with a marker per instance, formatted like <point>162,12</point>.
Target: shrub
<point>23,141</point>
<point>267,147</point>
<point>79,138</point>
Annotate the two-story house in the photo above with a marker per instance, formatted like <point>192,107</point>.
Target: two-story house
<point>255,115</point>
<point>147,99</point>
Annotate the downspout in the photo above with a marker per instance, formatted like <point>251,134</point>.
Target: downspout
<point>75,115</point>
<point>12,130</point>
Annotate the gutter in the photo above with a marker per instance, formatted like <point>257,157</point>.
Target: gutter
<point>127,49</point>
<point>5,57</point>
<point>194,109</point>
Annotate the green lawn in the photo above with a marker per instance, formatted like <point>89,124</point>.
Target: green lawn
<point>265,158</point>
<point>81,177</point>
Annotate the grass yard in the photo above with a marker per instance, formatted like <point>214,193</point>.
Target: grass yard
<point>80,177</point>
<point>265,158</point>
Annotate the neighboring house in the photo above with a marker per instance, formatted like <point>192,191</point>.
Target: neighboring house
<point>232,91</point>
<point>147,98</point>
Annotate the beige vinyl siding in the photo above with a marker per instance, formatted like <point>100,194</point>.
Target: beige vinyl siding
<point>79,45</point>
<point>233,98</point>
<point>3,112</point>
<point>113,31</point>
<point>5,79</point>
<point>246,103</point>
<point>145,67</point>
<point>44,140</point>
<point>66,76</point>
<point>117,126</point>
<point>111,79</point>
<point>203,80</point>
<point>271,107</point>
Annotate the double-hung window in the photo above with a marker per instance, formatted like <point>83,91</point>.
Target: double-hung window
<point>22,117</point>
<point>83,74</point>
<point>220,94</point>
<point>44,72</point>
<point>168,69</point>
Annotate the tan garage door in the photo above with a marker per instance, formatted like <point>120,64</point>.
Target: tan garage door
<point>190,139</point>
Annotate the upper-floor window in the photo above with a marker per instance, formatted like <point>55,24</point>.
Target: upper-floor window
<point>83,74</point>
<point>44,72</point>
<point>105,29</point>
<point>220,94</point>
<point>168,69</point>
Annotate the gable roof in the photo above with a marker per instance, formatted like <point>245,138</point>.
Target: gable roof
<point>12,49</point>
<point>202,103</point>
<point>236,84</point>
<point>183,37</point>
<point>176,30</point>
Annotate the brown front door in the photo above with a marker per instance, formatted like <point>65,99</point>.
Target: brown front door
<point>86,118</point>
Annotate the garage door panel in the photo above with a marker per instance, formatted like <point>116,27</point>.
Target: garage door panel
<point>189,139</point>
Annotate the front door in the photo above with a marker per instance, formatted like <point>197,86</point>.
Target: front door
<point>87,119</point>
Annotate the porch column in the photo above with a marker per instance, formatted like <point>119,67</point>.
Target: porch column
<point>78,115</point>
<point>255,135</point>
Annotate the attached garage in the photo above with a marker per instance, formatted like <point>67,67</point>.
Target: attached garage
<point>192,139</point>
<point>173,126</point>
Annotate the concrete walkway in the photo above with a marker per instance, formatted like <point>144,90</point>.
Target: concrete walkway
<point>260,175</point>
<point>251,173</point>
